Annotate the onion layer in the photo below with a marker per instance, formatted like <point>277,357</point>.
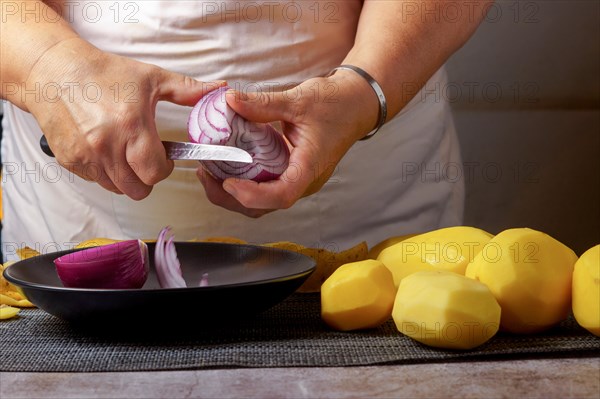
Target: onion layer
<point>121,265</point>
<point>168,268</point>
<point>212,121</point>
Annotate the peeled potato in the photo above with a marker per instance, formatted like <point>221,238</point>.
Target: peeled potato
<point>358,295</point>
<point>446,310</point>
<point>377,248</point>
<point>586,290</point>
<point>530,274</point>
<point>449,249</point>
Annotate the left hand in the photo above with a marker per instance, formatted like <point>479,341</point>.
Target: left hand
<point>321,119</point>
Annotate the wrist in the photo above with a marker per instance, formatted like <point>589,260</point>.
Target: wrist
<point>359,99</point>
<point>58,72</point>
<point>61,59</point>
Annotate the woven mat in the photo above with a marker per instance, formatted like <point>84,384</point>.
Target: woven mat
<point>290,334</point>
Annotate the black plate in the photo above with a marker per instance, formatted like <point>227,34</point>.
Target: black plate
<point>243,280</point>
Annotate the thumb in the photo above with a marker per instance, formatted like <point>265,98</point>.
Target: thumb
<point>261,106</point>
<point>182,89</point>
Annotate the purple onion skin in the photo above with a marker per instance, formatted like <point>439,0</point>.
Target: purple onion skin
<point>212,121</point>
<point>122,265</point>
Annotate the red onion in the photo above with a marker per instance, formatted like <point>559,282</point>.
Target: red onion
<point>212,121</point>
<point>121,265</point>
<point>168,268</point>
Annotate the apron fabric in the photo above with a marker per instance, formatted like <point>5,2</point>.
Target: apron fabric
<point>406,179</point>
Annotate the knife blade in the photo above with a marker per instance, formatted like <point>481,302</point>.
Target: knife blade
<point>191,151</point>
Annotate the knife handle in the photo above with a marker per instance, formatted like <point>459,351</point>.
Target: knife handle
<point>46,147</point>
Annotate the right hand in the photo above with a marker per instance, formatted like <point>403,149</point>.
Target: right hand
<point>101,125</point>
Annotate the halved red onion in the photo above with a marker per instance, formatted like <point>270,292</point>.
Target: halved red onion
<point>168,268</point>
<point>120,265</point>
<point>212,121</point>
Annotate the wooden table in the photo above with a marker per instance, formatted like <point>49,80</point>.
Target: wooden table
<point>548,378</point>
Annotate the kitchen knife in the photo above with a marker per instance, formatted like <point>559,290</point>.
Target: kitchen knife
<point>193,151</point>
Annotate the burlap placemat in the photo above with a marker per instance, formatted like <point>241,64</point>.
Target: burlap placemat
<point>290,334</point>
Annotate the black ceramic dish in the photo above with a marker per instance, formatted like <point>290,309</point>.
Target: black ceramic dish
<point>243,280</point>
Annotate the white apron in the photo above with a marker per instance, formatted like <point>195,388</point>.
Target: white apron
<point>406,179</point>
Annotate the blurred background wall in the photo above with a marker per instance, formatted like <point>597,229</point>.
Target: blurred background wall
<point>526,95</point>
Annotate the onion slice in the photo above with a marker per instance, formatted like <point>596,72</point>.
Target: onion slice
<point>168,267</point>
<point>121,265</point>
<point>212,121</point>
<point>204,280</point>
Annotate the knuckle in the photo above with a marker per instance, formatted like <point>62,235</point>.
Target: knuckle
<point>188,82</point>
<point>297,108</point>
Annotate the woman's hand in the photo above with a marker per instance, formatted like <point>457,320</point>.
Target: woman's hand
<point>321,119</point>
<point>97,112</point>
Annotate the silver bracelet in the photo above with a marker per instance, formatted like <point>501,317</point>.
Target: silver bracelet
<point>378,92</point>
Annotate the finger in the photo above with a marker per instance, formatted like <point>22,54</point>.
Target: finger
<point>146,156</point>
<point>267,195</point>
<point>125,177</point>
<point>264,106</point>
<point>276,194</point>
<point>93,173</point>
<point>218,196</point>
<point>181,89</point>
<point>107,184</point>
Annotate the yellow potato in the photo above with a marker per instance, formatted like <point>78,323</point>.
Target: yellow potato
<point>377,248</point>
<point>445,310</point>
<point>95,242</point>
<point>358,295</point>
<point>530,274</point>
<point>7,312</point>
<point>355,254</point>
<point>449,249</point>
<point>586,290</point>
<point>328,262</point>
